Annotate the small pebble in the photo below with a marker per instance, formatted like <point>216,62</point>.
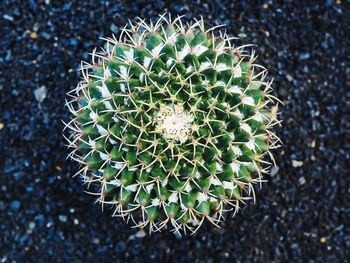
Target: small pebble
<point>323,240</point>
<point>224,255</point>
<point>62,218</point>
<point>40,94</point>
<point>36,27</point>
<point>96,241</point>
<point>45,35</point>
<point>41,219</point>
<point>31,225</point>
<point>302,180</point>
<point>33,35</point>
<point>289,78</point>
<point>313,144</point>
<point>274,170</point>
<point>15,205</point>
<point>33,5</point>
<point>140,234</point>
<point>8,55</point>
<point>296,163</point>
<point>8,17</point>
<point>2,125</point>
<point>304,56</point>
<point>67,6</point>
<point>114,28</point>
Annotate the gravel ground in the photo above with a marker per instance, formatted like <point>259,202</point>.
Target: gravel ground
<point>302,213</point>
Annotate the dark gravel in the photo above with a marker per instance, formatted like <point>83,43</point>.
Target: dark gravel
<point>303,212</point>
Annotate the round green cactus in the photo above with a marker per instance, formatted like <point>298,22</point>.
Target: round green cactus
<point>171,123</point>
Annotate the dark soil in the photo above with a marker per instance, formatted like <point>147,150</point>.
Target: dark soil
<point>302,213</point>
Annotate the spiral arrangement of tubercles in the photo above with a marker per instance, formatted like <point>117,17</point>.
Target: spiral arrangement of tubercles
<point>172,123</point>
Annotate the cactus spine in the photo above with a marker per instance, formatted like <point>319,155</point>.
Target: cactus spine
<point>171,124</point>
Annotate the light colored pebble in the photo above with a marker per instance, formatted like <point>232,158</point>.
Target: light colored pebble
<point>296,163</point>
<point>40,93</point>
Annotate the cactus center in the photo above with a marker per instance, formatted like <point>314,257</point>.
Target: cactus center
<point>174,123</point>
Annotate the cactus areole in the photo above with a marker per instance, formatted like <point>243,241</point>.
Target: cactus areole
<point>171,124</point>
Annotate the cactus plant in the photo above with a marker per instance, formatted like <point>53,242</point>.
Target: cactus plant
<point>171,124</point>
